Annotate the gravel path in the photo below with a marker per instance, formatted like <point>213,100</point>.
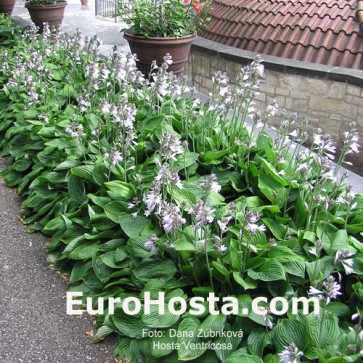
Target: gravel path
<point>34,327</point>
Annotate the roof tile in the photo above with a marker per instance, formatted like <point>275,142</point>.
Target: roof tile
<point>321,31</point>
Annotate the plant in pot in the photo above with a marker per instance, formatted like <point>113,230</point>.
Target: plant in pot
<point>159,27</point>
<point>7,6</point>
<point>46,11</point>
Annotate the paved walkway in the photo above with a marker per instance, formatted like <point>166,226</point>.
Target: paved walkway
<point>81,17</point>
<point>34,326</point>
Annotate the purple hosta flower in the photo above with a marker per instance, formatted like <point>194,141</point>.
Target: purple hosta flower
<point>272,109</point>
<point>222,223</point>
<point>105,107</point>
<point>342,256</point>
<point>220,78</point>
<point>350,139</point>
<point>202,213</point>
<point>174,179</point>
<point>171,217</point>
<point>32,95</point>
<point>348,199</point>
<point>170,146</point>
<point>153,199</point>
<point>210,184</point>
<point>218,245</point>
<point>150,244</point>
<point>83,104</point>
<point>329,291</point>
<point>324,143</point>
<point>115,156</point>
<point>168,59</point>
<point>165,176</point>
<point>291,354</point>
<point>75,130</point>
<point>252,217</point>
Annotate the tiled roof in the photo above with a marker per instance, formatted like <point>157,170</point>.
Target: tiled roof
<point>318,31</point>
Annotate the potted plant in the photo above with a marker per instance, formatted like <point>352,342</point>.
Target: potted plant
<point>46,11</point>
<point>7,6</point>
<point>159,27</point>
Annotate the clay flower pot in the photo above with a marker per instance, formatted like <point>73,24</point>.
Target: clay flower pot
<point>51,14</point>
<point>155,48</point>
<point>84,2</point>
<point>6,6</point>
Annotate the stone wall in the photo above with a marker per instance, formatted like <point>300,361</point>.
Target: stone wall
<point>329,97</point>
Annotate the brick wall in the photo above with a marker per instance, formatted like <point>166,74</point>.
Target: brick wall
<point>329,104</point>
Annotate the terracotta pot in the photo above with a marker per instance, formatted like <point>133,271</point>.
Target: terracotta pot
<point>51,14</point>
<point>6,6</point>
<point>84,2</point>
<point>154,48</point>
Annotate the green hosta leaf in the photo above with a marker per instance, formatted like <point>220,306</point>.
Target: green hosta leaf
<point>213,323</point>
<point>276,228</point>
<point>85,251</point>
<point>84,172</point>
<point>272,190</point>
<point>235,255</point>
<point>272,171</point>
<point>320,269</point>
<point>184,196</point>
<point>239,357</point>
<point>296,268</point>
<point>132,226</point>
<point>55,224</point>
<point>340,242</point>
<point>283,254</point>
<point>162,346</point>
<point>182,245</point>
<point>137,246</point>
<point>103,332</point>
<point>228,343</point>
<point>155,269</point>
<point>101,222</point>
<point>289,331</point>
<point>80,270</point>
<point>114,210</point>
<point>100,173</point>
<point>22,165</point>
<point>269,271</point>
<point>322,333</point>
<point>119,190</point>
<point>338,309</point>
<point>185,160</point>
<point>189,347</point>
<point>257,341</point>
<point>208,357</point>
<point>215,155</point>
<point>246,283</point>
<point>122,348</point>
<point>272,359</point>
<point>221,269</point>
<point>129,325</point>
<point>358,264</point>
<point>157,320</point>
<point>76,188</point>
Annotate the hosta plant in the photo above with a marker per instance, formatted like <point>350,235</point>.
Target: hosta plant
<point>143,188</point>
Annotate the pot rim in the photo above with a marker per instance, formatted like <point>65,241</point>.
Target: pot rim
<point>129,33</point>
<point>59,5</point>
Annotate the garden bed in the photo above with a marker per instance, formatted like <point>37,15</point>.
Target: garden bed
<point>144,190</point>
